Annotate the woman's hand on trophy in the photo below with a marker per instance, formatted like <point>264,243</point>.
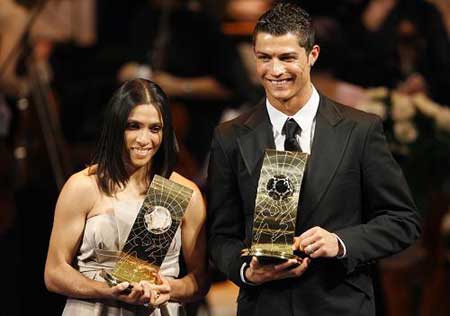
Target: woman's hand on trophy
<point>147,296</point>
<point>160,291</point>
<point>317,242</point>
<point>258,273</point>
<point>132,293</point>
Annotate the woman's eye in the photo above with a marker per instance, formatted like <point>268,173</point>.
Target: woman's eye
<point>132,125</point>
<point>155,129</point>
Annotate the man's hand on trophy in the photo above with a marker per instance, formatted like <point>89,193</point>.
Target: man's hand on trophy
<point>317,242</point>
<point>258,273</point>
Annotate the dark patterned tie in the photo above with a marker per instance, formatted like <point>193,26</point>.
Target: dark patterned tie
<point>291,129</point>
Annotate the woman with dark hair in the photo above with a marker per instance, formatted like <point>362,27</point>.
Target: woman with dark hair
<point>97,207</point>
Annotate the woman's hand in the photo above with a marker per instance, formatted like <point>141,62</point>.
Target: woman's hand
<point>161,291</point>
<point>137,294</point>
<point>143,293</point>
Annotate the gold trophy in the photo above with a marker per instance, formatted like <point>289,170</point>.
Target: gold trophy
<point>152,233</point>
<point>275,213</point>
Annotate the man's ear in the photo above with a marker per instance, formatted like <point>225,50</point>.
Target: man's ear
<point>313,55</point>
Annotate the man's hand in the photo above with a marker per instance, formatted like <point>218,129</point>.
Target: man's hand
<point>257,273</point>
<point>318,242</point>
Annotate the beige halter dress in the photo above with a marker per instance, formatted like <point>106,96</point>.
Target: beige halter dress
<point>104,236</point>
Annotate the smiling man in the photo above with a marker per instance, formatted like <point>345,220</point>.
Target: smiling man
<point>355,206</point>
<point>284,69</point>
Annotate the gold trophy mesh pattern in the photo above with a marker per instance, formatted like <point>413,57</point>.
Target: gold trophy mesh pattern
<point>275,215</point>
<point>146,247</point>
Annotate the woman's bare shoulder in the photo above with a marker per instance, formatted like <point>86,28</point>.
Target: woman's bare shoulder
<point>78,196</point>
<point>83,184</point>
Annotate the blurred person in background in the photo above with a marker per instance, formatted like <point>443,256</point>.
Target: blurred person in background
<point>29,30</point>
<point>400,44</point>
<point>184,50</point>
<point>85,70</point>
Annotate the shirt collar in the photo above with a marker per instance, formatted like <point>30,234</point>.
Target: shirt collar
<point>304,117</point>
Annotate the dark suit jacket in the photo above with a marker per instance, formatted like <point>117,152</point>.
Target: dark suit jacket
<point>352,187</point>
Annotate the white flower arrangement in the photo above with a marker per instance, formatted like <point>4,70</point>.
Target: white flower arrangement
<point>402,110</point>
<point>418,133</point>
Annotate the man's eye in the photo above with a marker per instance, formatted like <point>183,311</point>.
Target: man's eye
<point>263,58</point>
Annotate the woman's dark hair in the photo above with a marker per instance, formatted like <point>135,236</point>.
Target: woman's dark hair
<point>111,171</point>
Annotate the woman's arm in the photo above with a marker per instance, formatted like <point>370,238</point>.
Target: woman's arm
<point>196,283</point>
<point>76,199</point>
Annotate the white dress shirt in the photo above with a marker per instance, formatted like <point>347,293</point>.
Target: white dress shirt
<point>305,118</point>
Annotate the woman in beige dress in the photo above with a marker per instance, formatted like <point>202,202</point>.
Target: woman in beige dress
<point>98,205</point>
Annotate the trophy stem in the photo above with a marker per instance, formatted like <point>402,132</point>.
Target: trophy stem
<point>276,207</point>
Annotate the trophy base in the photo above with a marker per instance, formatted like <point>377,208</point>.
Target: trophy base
<point>267,256</point>
<point>110,279</point>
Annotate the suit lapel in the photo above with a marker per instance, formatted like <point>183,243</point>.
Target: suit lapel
<point>259,137</point>
<point>330,140</point>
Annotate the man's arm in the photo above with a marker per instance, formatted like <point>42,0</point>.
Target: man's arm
<point>226,223</point>
<point>391,222</point>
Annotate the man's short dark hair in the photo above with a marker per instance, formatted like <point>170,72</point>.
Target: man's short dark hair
<point>287,17</point>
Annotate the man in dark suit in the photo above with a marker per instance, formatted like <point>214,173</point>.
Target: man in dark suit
<point>355,206</point>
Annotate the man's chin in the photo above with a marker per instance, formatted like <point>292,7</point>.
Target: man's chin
<point>280,96</point>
